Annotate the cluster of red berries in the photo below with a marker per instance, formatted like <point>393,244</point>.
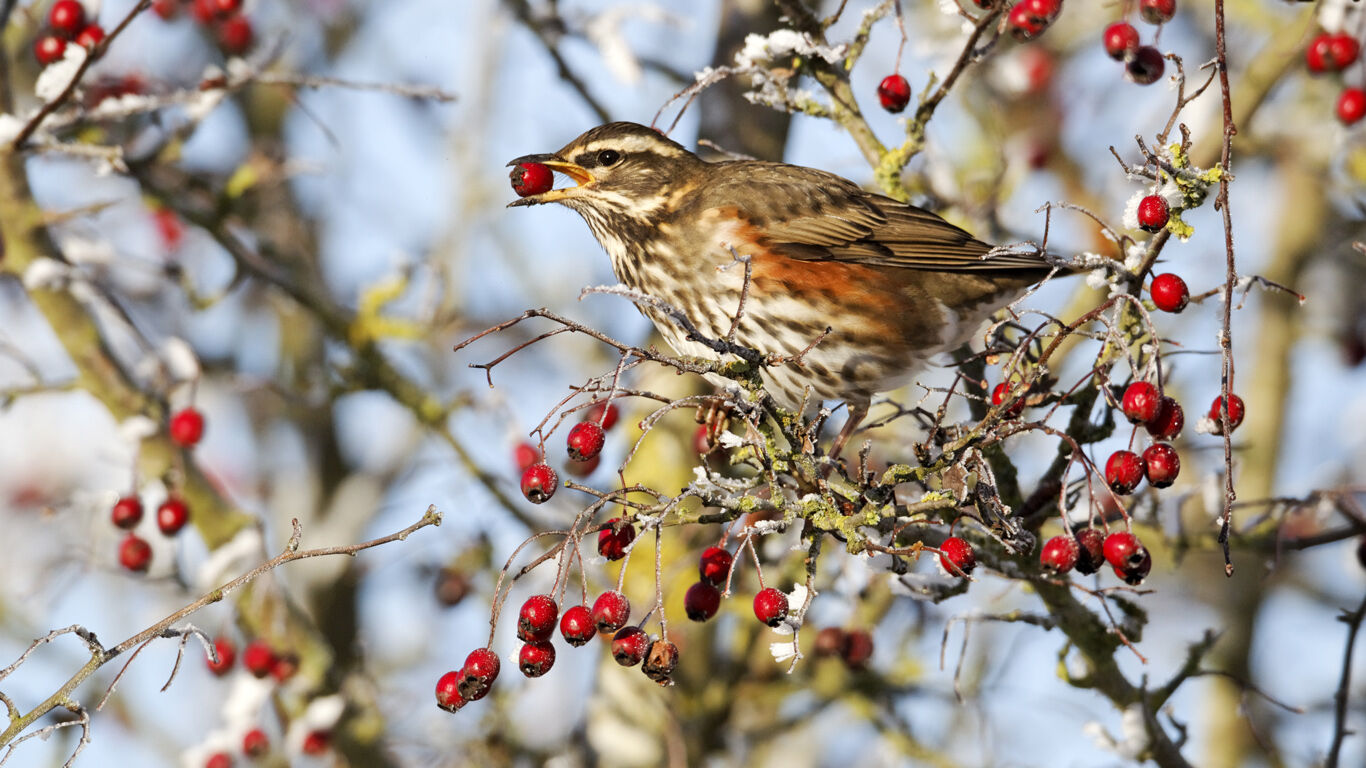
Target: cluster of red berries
<point>703,599</point>
<point>224,18</point>
<point>852,646</point>
<point>1089,549</point>
<point>585,442</point>
<point>186,428</point>
<point>261,660</point>
<point>1334,52</point>
<point>1143,64</point>
<point>66,23</point>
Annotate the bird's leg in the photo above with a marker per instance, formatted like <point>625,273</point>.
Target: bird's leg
<point>715,416</point>
<point>856,416</point>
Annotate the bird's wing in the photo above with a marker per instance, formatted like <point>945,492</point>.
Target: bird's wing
<point>812,215</point>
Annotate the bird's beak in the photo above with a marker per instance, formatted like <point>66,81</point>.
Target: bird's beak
<point>578,173</point>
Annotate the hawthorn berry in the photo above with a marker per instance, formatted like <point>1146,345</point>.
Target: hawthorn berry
<point>317,742</point>
<point>48,48</point>
<point>1002,393</point>
<point>829,641</point>
<point>204,11</point>
<point>525,454</point>
<point>477,675</point>
<point>701,601</point>
<point>66,18</point>
<point>1169,292</point>
<point>611,611</point>
<point>1236,411</point>
<point>536,659</point>
<point>583,468</point>
<point>531,179</point>
<point>660,661</point>
<point>135,554</point>
<point>1343,50</point>
<point>258,658</point>
<point>1123,549</point>
<point>1123,472</point>
<point>613,541</point>
<point>603,414</point>
<point>576,625</point>
<point>187,427</point>
<point>956,557</point>
<point>284,666</point>
<point>1144,66</point>
<point>1140,402</point>
<point>448,692</point>
<point>714,566</point>
<point>225,8</point>
<point>1044,9</point>
<point>629,645</point>
<point>235,35</point>
<point>452,586</point>
<point>1060,553</point>
<point>1351,105</point>
<point>770,606</point>
<point>1162,464</point>
<point>1120,40</point>
<point>536,621</point>
<point>1153,213</point>
<point>858,648</point>
<point>1090,550</point>
<point>1169,420</point>
<point>90,36</point>
<point>127,512</point>
<point>539,482</point>
<point>585,441</point>
<point>894,93</point>
<point>166,9</point>
<point>1023,23</point>
<point>256,743</point>
<point>219,760</point>
<point>702,440</point>
<point>1157,11</point>
<point>1136,570</point>
<point>227,654</point>
<point>172,515</point>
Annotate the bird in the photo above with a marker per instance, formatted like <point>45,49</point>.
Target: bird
<point>857,291</point>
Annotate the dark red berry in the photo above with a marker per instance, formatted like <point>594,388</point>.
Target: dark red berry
<point>1141,401</point>
<point>1123,549</point>
<point>1343,50</point>
<point>858,648</point>
<point>1137,569</point>
<point>1169,292</point>
<point>894,93</point>
<point>525,454</point>
<point>611,611</point>
<point>225,8</point>
<point>701,601</point>
<point>204,11</point>
<point>531,179</point>
<point>127,512</point>
<point>448,692</point>
<point>576,626</point>
<point>135,554</point>
<point>612,541</point>
<point>90,36</point>
<point>629,645</point>
<point>219,760</point>
<point>1144,66</point>
<point>1157,11</point>
<point>66,18</point>
<point>286,664</point>
<point>1123,472</point>
<point>317,742</point>
<point>956,557</point>
<point>235,35</point>
<point>187,427</point>
<point>1317,56</point>
<point>1044,9</point>
<point>536,621</point>
<point>536,659</point>
<point>48,48</point>
<point>256,743</point>
<point>227,654</point>
<point>1023,23</point>
<point>1060,553</point>
<point>1153,213</point>
<point>1003,393</point>
<point>166,9</point>
<point>1236,411</point>
<point>258,658</point>
<point>661,658</point>
<point>1169,420</point>
<point>1162,464</point>
<point>714,566</point>
<point>585,441</point>
<point>539,482</point>
<point>829,641</point>
<point>604,414</point>
<point>770,606</point>
<point>1351,105</point>
<point>1120,40</point>
<point>477,676</point>
<point>452,586</point>
<point>172,515</point>
<point>1090,550</point>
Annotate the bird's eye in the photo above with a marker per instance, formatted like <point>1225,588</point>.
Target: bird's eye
<point>608,157</point>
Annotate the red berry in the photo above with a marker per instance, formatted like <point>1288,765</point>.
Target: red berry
<point>525,454</point>
<point>172,515</point>
<point>1162,464</point>
<point>258,658</point>
<point>1144,66</point>
<point>256,743</point>
<point>585,441</point>
<point>536,622</point>
<point>477,676</point>
<point>1169,292</point>
<point>1153,213</point>
<point>1120,40</point>
<point>1090,550</point>
<point>204,11</point>
<point>629,645</point>
<point>135,554</point>
<point>1157,11</point>
<point>701,440</point>
<point>539,482</point>
<point>1122,549</point>
<point>956,557</point>
<point>583,469</point>
<point>1023,23</point>
<point>166,9</point>
<point>1141,401</point>
<point>531,179</point>
<point>235,35</point>
<point>452,586</point>
<point>894,93</point>
<point>576,626</point>
<point>604,414</point>
<point>90,36</point>
<point>1343,50</point>
<point>187,427</point>
<point>1236,411</point>
<point>1060,554</point>
<point>284,666</point>
<point>1002,393</point>
<point>1137,569</point>
<point>67,18</point>
<point>448,692</point>
<point>225,7</point>
<point>227,654</point>
<point>127,512</point>
<point>1043,9</point>
<point>612,542</point>
<point>1169,420</point>
<point>1317,56</point>
<point>829,641</point>
<point>701,601</point>
<point>1123,472</point>
<point>611,611</point>
<point>714,567</point>
<point>858,648</point>
<point>660,661</point>
<point>219,760</point>
<point>1351,105</point>
<point>536,659</point>
<point>317,742</point>
<point>770,606</point>
<point>48,48</point>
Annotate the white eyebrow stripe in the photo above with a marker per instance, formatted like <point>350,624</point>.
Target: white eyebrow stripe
<point>633,144</point>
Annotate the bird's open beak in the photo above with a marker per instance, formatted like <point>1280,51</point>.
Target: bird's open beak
<point>578,173</point>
